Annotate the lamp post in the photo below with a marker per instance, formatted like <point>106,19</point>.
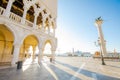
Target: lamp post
<point>99,44</point>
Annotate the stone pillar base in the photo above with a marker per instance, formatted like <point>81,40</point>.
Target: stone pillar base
<point>13,65</point>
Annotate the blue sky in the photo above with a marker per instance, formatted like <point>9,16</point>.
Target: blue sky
<point>75,24</point>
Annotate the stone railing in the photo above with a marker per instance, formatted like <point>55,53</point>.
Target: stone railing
<point>1,10</point>
<point>15,17</point>
<point>28,23</point>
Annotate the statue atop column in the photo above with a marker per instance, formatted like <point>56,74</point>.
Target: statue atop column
<point>99,19</point>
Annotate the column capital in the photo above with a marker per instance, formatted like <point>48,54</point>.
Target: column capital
<point>36,13</point>
<point>41,49</point>
<point>45,16</point>
<point>40,45</point>
<point>41,9</point>
<point>43,19</point>
<point>25,8</point>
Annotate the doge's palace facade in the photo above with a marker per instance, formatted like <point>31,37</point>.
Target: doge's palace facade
<point>25,24</point>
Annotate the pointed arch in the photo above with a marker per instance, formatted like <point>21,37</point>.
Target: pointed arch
<point>50,41</point>
<point>17,7</point>
<point>28,47</point>
<point>39,20</point>
<point>30,14</point>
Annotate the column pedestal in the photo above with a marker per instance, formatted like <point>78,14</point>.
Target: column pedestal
<point>53,56</point>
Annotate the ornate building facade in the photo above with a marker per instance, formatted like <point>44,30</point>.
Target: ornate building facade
<point>25,24</point>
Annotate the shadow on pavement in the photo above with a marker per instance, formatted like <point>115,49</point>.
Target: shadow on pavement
<point>89,73</point>
<point>114,66</point>
<point>62,75</point>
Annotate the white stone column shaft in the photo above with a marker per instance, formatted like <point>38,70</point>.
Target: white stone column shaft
<point>24,16</point>
<point>49,26</point>
<point>35,19</point>
<point>43,25</point>
<point>33,54</point>
<point>48,29</point>
<point>43,21</point>
<point>53,55</point>
<point>54,28</point>
<point>15,54</point>
<point>102,41</point>
<point>8,8</point>
<point>40,55</point>
<point>53,31</point>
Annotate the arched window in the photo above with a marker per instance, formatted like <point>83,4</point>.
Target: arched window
<point>3,3</point>
<point>17,7</point>
<point>30,14</point>
<point>39,20</point>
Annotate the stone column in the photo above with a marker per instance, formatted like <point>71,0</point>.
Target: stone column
<point>43,25</point>
<point>55,23</point>
<point>24,15</point>
<point>35,19</point>
<point>43,21</point>
<point>40,55</point>
<point>8,8</point>
<point>48,30</point>
<point>53,55</point>
<point>98,24</point>
<point>33,55</point>
<point>53,31</point>
<point>49,26</point>
<point>15,54</point>
<point>102,41</point>
<point>54,28</point>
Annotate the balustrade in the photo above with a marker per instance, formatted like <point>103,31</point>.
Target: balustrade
<point>15,17</point>
<point>18,19</point>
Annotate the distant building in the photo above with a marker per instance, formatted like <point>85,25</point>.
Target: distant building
<point>86,54</point>
<point>109,54</point>
<point>113,54</point>
<point>78,53</point>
